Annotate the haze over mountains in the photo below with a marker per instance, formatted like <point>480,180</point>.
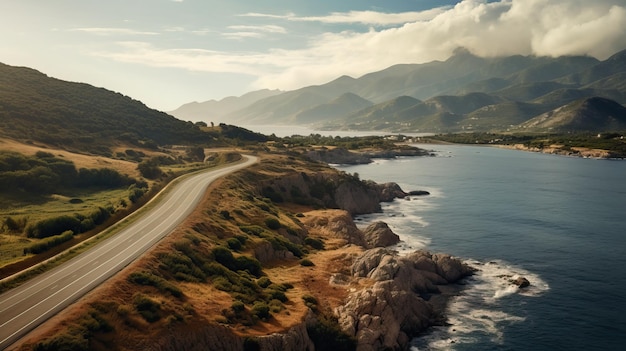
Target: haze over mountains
<point>463,93</point>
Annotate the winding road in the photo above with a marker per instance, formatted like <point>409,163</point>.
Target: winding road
<point>24,308</point>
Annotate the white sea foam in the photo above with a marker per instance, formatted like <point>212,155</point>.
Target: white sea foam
<point>478,312</point>
<point>479,309</point>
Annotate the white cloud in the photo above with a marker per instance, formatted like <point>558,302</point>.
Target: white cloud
<point>506,27</point>
<point>248,31</point>
<point>107,31</point>
<point>267,29</point>
<point>363,17</point>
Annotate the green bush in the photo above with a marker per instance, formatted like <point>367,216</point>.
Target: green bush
<point>234,244</point>
<point>307,263</point>
<point>252,230</point>
<point>53,226</point>
<point>69,341</point>
<point>147,278</point>
<point>326,334</point>
<point>314,243</point>
<point>264,282</point>
<point>15,225</point>
<point>50,242</point>
<point>272,223</point>
<point>148,308</point>
<point>261,310</point>
<point>238,306</point>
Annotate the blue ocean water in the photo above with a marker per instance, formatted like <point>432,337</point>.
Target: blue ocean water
<point>558,221</point>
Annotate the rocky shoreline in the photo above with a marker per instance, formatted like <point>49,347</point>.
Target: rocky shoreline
<point>559,150</point>
<point>372,296</point>
<point>347,157</point>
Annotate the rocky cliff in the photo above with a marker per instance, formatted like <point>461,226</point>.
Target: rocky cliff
<point>396,306</point>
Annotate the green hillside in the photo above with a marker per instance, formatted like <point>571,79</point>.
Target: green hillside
<point>77,116</point>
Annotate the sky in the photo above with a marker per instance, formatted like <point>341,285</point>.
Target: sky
<point>166,53</point>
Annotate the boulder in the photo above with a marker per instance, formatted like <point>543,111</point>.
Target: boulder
<point>418,192</point>
<point>396,307</point>
<point>521,282</point>
<point>379,234</point>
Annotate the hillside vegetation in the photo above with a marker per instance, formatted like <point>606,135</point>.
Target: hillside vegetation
<point>242,266</point>
<point>80,117</point>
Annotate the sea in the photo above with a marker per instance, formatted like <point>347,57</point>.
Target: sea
<point>558,221</point>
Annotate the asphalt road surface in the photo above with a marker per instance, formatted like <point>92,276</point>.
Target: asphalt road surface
<point>27,306</point>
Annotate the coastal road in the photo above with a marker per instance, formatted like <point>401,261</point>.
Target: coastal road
<point>27,306</point>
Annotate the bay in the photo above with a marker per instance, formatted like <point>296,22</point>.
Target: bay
<point>558,221</point>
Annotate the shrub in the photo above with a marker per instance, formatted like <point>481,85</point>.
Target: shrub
<point>148,308</point>
<point>72,340</point>
<point>264,282</point>
<point>307,263</point>
<point>272,223</point>
<point>309,299</point>
<point>15,225</point>
<point>150,169</point>
<point>223,256</point>
<point>314,243</point>
<point>251,265</point>
<point>261,310</point>
<point>49,242</point>
<point>135,193</point>
<point>326,334</point>
<point>252,230</point>
<point>53,226</point>
<point>238,306</point>
<point>147,278</point>
<point>277,295</point>
<point>234,244</point>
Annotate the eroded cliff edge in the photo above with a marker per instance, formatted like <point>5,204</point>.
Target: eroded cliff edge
<point>272,260</point>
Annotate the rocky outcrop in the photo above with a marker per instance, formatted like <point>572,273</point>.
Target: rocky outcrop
<point>338,156</point>
<point>388,191</point>
<point>334,224</point>
<point>521,282</point>
<point>331,190</point>
<point>378,234</point>
<point>265,252</point>
<point>396,306</point>
<point>296,338</point>
<point>346,157</point>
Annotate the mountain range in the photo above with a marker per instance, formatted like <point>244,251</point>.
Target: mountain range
<point>463,93</point>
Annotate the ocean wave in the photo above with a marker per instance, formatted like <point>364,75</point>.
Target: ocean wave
<point>478,313</point>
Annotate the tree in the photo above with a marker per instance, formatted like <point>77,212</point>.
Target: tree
<point>150,169</point>
<point>195,153</point>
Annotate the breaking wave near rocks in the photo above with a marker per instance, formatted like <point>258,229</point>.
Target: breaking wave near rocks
<point>483,309</point>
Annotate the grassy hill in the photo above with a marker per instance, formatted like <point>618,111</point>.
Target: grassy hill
<point>77,116</point>
<point>590,114</point>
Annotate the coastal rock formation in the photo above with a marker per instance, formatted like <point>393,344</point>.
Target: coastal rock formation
<point>265,252</point>
<point>296,338</point>
<point>396,306</point>
<point>335,224</point>
<point>521,282</point>
<point>338,156</point>
<point>346,157</point>
<point>379,234</point>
